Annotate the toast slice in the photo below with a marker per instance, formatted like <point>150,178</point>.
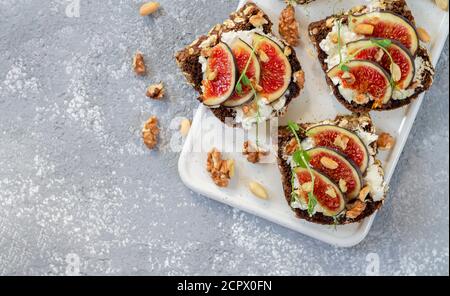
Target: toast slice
<point>371,179</point>
<point>423,79</point>
<point>248,18</point>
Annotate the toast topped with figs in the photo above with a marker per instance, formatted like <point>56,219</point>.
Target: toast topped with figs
<point>329,169</point>
<point>373,56</point>
<point>241,71</point>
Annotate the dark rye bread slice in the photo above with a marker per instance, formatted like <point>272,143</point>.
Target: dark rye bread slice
<point>319,30</point>
<point>285,136</point>
<point>188,58</point>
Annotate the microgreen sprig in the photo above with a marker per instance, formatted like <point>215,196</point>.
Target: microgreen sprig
<point>301,158</point>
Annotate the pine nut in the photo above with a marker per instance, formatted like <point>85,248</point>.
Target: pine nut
<point>149,8</point>
<point>258,190</point>
<point>185,126</point>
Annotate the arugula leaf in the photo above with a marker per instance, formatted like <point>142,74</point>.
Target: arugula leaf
<point>312,202</point>
<point>345,68</point>
<point>301,158</point>
<point>385,43</point>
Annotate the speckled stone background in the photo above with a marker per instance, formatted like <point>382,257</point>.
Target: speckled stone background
<point>79,193</point>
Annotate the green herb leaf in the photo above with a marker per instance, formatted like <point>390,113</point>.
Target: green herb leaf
<point>301,158</point>
<point>293,126</point>
<point>245,80</point>
<point>392,82</point>
<point>345,68</point>
<point>312,202</point>
<point>239,88</point>
<point>385,43</point>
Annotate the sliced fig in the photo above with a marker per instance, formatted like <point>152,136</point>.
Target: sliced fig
<point>386,25</point>
<point>367,49</point>
<point>220,77</point>
<point>342,140</point>
<point>365,79</point>
<point>340,170</point>
<point>276,71</point>
<point>242,52</point>
<point>329,196</point>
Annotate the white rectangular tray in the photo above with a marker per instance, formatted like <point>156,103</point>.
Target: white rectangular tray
<point>315,103</point>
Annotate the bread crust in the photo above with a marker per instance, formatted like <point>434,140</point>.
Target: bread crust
<point>284,137</point>
<point>188,58</point>
<point>319,30</point>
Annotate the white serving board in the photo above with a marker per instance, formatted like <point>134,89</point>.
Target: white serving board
<point>315,103</point>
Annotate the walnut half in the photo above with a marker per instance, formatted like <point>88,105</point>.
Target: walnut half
<point>155,91</point>
<point>385,141</point>
<point>253,154</point>
<point>139,64</point>
<point>150,132</point>
<point>356,210</point>
<point>289,27</point>
<point>221,170</point>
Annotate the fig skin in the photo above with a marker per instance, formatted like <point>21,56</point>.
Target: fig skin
<point>248,97</point>
<point>390,17</point>
<point>356,172</point>
<point>318,175</point>
<point>219,100</point>
<point>314,131</point>
<point>272,97</point>
<point>395,43</point>
<point>354,63</point>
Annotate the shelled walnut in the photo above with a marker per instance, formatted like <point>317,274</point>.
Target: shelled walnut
<point>155,91</point>
<point>139,64</point>
<point>150,132</point>
<point>289,27</point>
<point>253,154</point>
<point>221,170</point>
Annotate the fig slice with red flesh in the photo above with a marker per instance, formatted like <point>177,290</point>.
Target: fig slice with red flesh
<point>329,196</point>
<point>220,77</point>
<point>342,140</point>
<point>276,71</point>
<point>388,25</point>
<point>242,52</point>
<point>341,171</point>
<point>364,78</point>
<point>367,49</point>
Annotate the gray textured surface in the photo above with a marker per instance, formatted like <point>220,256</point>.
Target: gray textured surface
<point>76,179</point>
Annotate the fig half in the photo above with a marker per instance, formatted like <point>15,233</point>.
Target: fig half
<point>367,49</point>
<point>386,25</point>
<point>342,140</point>
<point>329,196</point>
<point>220,76</point>
<point>340,170</point>
<point>364,80</point>
<point>276,71</point>
<point>242,53</point>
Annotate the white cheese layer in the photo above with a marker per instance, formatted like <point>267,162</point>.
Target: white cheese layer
<point>333,59</point>
<point>332,49</point>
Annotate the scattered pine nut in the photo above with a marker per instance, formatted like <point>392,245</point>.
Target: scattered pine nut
<point>442,4</point>
<point>258,190</point>
<point>185,126</point>
<point>423,35</point>
<point>148,8</point>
